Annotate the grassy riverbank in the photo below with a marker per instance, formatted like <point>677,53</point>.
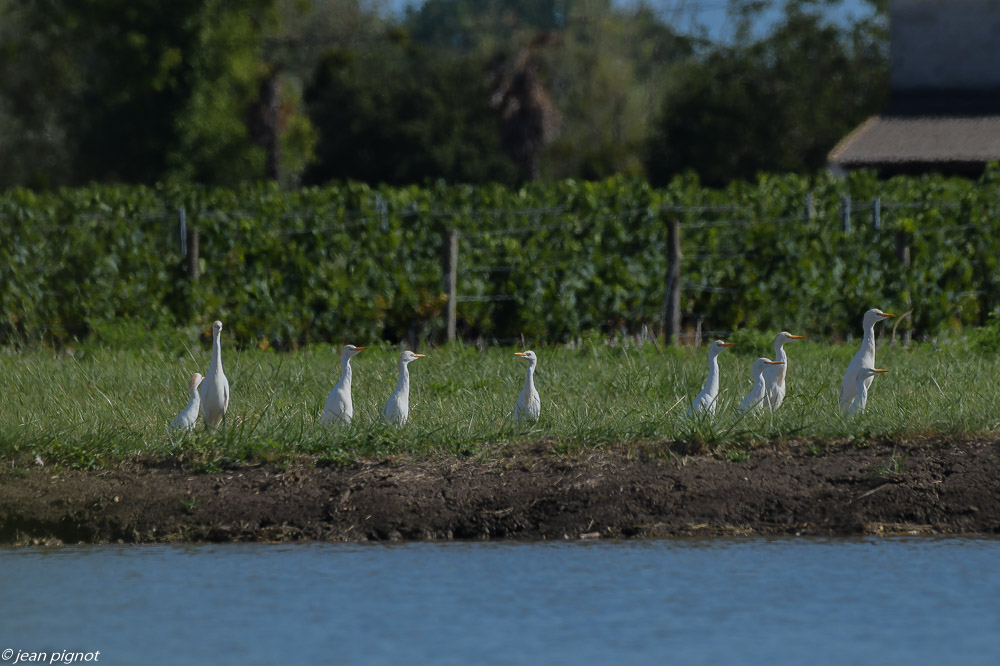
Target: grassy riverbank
<point>99,404</point>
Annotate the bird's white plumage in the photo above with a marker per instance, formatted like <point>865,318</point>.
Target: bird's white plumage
<point>189,415</point>
<point>865,377</point>
<point>774,375</point>
<point>397,409</point>
<point>529,405</point>
<point>756,399</point>
<point>705,402</point>
<point>339,406</point>
<point>864,358</point>
<point>215,388</point>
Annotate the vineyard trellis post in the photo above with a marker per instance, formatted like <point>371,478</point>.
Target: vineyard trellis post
<point>191,249</point>
<point>449,272</point>
<point>672,298</point>
<point>903,257</point>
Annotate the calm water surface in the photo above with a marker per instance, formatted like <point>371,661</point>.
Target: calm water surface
<point>745,601</point>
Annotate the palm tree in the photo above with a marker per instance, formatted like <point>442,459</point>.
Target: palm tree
<point>528,120</point>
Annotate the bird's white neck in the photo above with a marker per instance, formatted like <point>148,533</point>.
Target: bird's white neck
<point>403,386</point>
<point>529,378</point>
<point>345,372</point>
<point>194,395</point>
<point>712,383</point>
<point>780,355</point>
<point>759,382</point>
<point>868,341</point>
<point>216,366</point>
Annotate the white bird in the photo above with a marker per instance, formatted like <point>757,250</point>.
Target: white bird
<point>215,388</point>
<point>774,375</point>
<point>529,405</point>
<point>865,377</point>
<point>865,358</point>
<point>757,397</point>
<point>189,415</point>
<point>706,400</point>
<point>397,409</point>
<point>339,405</point>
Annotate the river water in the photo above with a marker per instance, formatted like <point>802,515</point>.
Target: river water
<point>719,601</point>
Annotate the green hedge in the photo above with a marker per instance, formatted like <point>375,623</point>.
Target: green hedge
<point>352,262</point>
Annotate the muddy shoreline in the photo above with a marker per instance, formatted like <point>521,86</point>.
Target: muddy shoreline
<point>885,487</point>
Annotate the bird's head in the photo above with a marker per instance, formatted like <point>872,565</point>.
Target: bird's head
<point>217,328</point>
<point>408,356</point>
<point>875,315</point>
<point>350,350</point>
<point>785,336</point>
<point>718,346</point>
<point>196,379</point>
<point>760,364</point>
<point>527,354</point>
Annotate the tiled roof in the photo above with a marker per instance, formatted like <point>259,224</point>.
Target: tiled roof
<point>924,139</point>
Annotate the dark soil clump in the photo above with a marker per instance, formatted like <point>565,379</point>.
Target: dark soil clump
<point>920,487</point>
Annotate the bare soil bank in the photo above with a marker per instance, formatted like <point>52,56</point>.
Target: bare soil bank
<point>884,488</point>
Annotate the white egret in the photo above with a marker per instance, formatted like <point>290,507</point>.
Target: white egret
<point>189,415</point>
<point>339,405</point>
<point>774,375</point>
<point>397,409</point>
<point>865,358</point>
<point>706,400</point>
<point>757,397</point>
<point>215,388</point>
<point>529,405</point>
<point>865,377</point>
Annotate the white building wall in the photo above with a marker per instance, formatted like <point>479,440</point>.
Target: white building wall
<point>945,44</point>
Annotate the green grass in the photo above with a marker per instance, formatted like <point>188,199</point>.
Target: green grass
<point>95,406</point>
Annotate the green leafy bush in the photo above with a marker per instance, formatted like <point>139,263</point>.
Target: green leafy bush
<point>547,262</point>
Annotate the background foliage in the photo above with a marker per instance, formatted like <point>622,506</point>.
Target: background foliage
<point>216,93</point>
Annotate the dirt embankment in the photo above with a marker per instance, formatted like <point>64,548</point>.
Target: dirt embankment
<point>884,488</point>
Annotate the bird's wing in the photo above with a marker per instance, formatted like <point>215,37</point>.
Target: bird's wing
<point>331,402</point>
<point>849,385</point>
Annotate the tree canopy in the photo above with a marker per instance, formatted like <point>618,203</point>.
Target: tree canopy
<point>775,104</point>
<point>468,91</point>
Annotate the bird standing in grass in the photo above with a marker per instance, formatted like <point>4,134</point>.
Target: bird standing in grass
<point>529,405</point>
<point>397,409</point>
<point>339,406</point>
<point>756,399</point>
<point>865,358</point>
<point>215,388</point>
<point>774,375</point>
<point>865,378</point>
<point>705,402</point>
<point>189,415</point>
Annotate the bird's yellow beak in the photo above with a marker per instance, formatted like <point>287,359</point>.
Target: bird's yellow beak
<point>360,348</point>
<point>776,362</point>
<point>887,314</point>
<point>420,355</point>
<point>796,337</point>
<point>519,354</point>
<point>727,344</point>
<point>880,370</point>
